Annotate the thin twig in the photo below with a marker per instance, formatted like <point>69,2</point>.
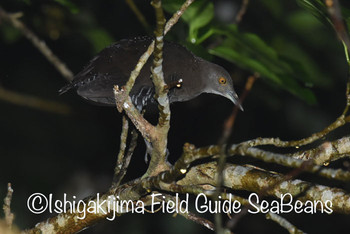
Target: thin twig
<point>191,216</point>
<point>138,14</point>
<point>270,215</point>
<point>176,16</point>
<point>39,44</point>
<point>33,102</point>
<point>229,123</point>
<point>127,157</point>
<point>242,11</point>
<point>228,127</point>
<point>202,221</point>
<point>283,223</point>
<point>143,59</point>
<point>119,164</point>
<point>7,207</point>
<point>339,27</point>
<point>342,120</point>
<point>337,20</point>
<point>307,166</point>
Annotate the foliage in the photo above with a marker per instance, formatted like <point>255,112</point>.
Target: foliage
<point>292,70</point>
<point>293,48</point>
<point>280,61</point>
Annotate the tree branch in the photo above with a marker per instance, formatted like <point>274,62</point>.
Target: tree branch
<point>337,20</point>
<point>138,15</point>
<point>327,152</point>
<point>249,178</point>
<point>124,159</point>
<point>33,102</point>
<point>39,44</point>
<point>227,130</point>
<point>7,207</point>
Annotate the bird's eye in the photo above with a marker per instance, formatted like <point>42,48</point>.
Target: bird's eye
<point>222,80</point>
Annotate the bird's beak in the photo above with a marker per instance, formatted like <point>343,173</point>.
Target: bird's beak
<point>232,95</point>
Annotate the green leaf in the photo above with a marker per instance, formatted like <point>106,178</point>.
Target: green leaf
<point>99,38</point>
<point>250,52</point>
<point>70,5</point>
<point>28,2</point>
<point>275,7</point>
<point>198,15</point>
<point>317,8</point>
<point>303,22</point>
<point>9,34</point>
<point>304,66</point>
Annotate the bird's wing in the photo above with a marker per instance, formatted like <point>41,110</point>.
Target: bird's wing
<point>112,65</point>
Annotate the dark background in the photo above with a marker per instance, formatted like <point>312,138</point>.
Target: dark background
<point>75,153</point>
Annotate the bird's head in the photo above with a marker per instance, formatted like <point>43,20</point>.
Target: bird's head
<point>219,82</point>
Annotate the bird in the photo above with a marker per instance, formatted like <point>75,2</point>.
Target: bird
<point>113,65</point>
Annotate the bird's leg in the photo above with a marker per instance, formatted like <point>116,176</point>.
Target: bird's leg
<point>177,84</point>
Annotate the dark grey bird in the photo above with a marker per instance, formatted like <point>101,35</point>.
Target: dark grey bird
<point>113,65</point>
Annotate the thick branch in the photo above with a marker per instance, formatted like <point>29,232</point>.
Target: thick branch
<point>124,102</point>
<point>158,155</point>
<point>192,154</point>
<point>254,180</point>
<point>327,152</point>
<point>73,221</point>
<point>209,191</point>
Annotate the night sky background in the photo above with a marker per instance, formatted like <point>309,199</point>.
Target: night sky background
<point>75,152</point>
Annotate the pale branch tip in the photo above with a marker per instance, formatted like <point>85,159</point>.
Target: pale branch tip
<point>9,216</point>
